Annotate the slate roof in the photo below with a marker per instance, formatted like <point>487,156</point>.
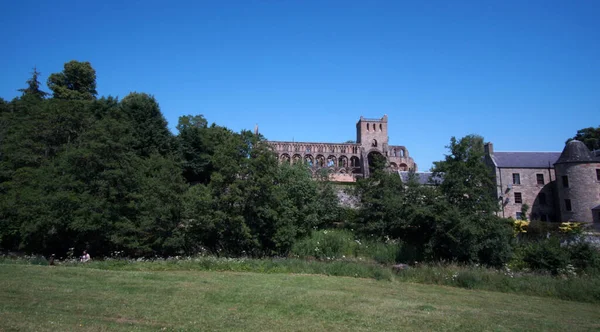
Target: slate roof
<point>575,152</point>
<point>422,177</point>
<point>526,159</point>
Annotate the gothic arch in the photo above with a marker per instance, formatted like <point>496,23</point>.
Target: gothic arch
<point>355,162</point>
<point>296,158</point>
<point>331,161</point>
<point>403,167</point>
<point>393,166</point>
<point>309,160</point>
<point>343,162</point>
<point>374,143</point>
<point>285,158</point>
<point>372,157</point>
<point>320,160</point>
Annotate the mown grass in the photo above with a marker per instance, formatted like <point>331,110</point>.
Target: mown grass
<point>580,288</point>
<point>44,298</point>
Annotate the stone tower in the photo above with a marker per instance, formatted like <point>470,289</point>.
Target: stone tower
<point>577,183</point>
<point>372,137</point>
<point>372,133</point>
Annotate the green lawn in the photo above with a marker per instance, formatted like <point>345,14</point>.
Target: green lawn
<point>42,298</point>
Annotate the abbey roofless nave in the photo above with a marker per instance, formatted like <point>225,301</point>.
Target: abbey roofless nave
<point>348,161</point>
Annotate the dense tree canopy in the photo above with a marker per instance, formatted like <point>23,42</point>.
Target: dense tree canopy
<point>76,82</point>
<point>107,175</point>
<point>589,136</point>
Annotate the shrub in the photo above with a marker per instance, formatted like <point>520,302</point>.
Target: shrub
<point>584,256</point>
<point>546,255</point>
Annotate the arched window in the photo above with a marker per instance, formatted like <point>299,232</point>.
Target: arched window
<point>331,161</point>
<point>343,161</point>
<point>380,127</point>
<point>374,143</point>
<point>402,153</point>
<point>309,160</point>
<point>367,127</point>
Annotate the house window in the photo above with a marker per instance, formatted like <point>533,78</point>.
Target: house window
<point>540,178</point>
<point>542,198</point>
<point>568,204</point>
<point>519,215</point>
<point>518,198</point>
<point>565,181</point>
<point>516,178</point>
<point>597,174</point>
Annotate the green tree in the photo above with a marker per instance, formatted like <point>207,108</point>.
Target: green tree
<point>197,144</point>
<point>33,87</point>
<point>149,127</point>
<point>380,197</point>
<point>468,182</point>
<point>77,81</point>
<point>589,136</point>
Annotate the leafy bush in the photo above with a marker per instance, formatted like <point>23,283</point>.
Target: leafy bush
<point>584,256</point>
<point>546,255</point>
<point>552,256</point>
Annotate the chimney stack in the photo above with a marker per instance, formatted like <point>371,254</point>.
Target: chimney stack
<point>488,148</point>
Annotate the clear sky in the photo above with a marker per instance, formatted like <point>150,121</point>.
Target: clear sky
<point>523,74</point>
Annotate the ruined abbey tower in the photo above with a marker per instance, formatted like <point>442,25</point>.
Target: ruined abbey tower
<point>348,161</point>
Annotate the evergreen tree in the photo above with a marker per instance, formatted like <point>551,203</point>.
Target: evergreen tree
<point>380,198</point>
<point>33,87</point>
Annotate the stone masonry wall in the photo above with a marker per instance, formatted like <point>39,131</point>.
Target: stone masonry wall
<point>529,190</point>
<point>583,191</point>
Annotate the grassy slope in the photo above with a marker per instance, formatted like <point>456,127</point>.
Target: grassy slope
<point>45,298</point>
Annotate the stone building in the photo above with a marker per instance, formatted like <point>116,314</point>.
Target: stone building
<point>348,161</point>
<point>556,186</point>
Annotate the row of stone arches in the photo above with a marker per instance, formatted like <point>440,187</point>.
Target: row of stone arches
<point>398,152</point>
<point>401,167</point>
<point>316,148</point>
<point>322,161</point>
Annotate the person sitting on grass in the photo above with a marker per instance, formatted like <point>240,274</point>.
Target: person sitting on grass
<point>85,257</point>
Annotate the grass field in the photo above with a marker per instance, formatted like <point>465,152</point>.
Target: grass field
<point>42,298</point>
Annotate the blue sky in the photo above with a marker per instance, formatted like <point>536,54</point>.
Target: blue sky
<point>523,74</point>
